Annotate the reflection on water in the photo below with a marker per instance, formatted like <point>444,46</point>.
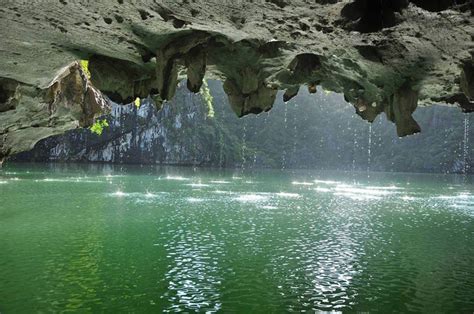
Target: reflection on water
<point>147,239</point>
<point>193,274</point>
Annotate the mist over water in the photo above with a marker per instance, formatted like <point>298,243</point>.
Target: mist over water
<point>151,239</point>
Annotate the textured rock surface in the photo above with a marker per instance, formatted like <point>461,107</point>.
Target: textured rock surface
<point>29,114</point>
<point>369,50</point>
<point>311,131</point>
<point>181,133</point>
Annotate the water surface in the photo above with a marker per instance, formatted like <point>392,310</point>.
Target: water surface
<point>148,239</point>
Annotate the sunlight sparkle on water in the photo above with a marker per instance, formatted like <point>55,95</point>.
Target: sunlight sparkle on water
<point>118,194</point>
<point>197,185</point>
<point>302,183</point>
<point>344,188</point>
<point>277,245</point>
<point>220,182</point>
<point>320,189</point>
<point>330,182</point>
<point>176,178</point>
<point>288,195</point>
<point>252,198</point>
<point>194,200</point>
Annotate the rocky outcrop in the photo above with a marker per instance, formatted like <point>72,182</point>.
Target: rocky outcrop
<point>181,133</point>
<point>29,114</point>
<point>367,50</point>
<point>311,131</point>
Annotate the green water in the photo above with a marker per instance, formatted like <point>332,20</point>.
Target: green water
<point>101,238</point>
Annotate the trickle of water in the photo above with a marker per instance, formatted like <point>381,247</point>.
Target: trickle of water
<point>369,148</point>
<point>194,151</point>
<point>295,131</point>
<point>244,145</point>
<point>354,148</point>
<point>283,157</point>
<point>466,145</point>
<point>221,149</point>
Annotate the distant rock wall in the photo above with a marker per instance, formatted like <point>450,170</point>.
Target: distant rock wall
<point>310,131</point>
<point>172,135</point>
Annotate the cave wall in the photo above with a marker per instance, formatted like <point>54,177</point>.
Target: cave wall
<point>384,56</point>
<point>29,114</point>
<point>180,133</point>
<point>316,131</point>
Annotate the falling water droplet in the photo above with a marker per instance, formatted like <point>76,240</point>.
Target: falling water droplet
<point>244,145</point>
<point>221,149</point>
<point>194,151</point>
<point>295,132</point>
<point>466,145</point>
<point>369,149</point>
<point>354,148</point>
<point>283,157</point>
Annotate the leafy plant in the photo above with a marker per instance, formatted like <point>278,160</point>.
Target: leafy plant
<point>207,98</point>
<point>137,102</point>
<point>85,68</point>
<point>98,126</point>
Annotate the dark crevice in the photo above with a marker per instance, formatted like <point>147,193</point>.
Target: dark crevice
<point>466,105</point>
<point>305,64</point>
<point>279,3</point>
<point>144,15</point>
<point>370,53</point>
<point>367,16</point>
<point>177,23</point>
<point>118,18</point>
<point>8,90</point>
<point>4,95</point>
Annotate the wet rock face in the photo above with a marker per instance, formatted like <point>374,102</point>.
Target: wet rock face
<point>366,49</point>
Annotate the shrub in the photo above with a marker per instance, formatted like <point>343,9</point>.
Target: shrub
<point>98,126</point>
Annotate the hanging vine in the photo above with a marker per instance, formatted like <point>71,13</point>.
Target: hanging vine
<point>207,98</point>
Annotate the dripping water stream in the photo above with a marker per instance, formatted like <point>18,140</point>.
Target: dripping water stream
<point>466,145</point>
<point>369,150</point>
<point>284,157</point>
<point>295,132</point>
<point>221,149</point>
<point>354,148</point>
<point>244,146</point>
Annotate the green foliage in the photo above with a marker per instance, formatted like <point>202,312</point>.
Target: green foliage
<point>207,98</point>
<point>137,102</point>
<point>85,68</point>
<point>98,126</point>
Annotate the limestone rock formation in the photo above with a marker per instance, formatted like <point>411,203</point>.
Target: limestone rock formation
<point>181,133</point>
<point>311,131</point>
<point>29,114</point>
<point>383,55</point>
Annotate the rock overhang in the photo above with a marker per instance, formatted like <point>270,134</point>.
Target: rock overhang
<point>384,56</point>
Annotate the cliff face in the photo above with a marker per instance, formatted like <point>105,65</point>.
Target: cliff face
<point>29,114</point>
<point>310,131</point>
<point>181,133</point>
<point>384,56</point>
